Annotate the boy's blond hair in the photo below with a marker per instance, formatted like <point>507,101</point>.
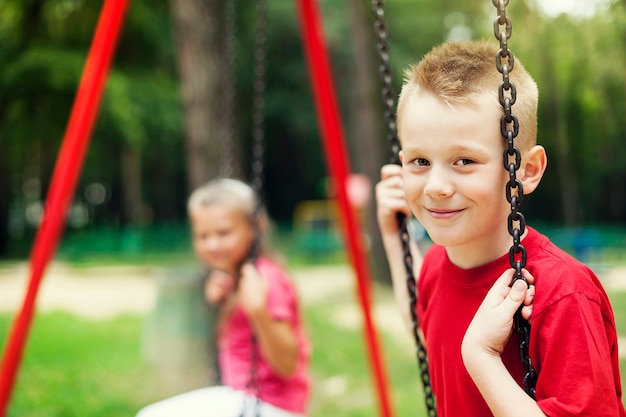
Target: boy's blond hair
<point>464,73</point>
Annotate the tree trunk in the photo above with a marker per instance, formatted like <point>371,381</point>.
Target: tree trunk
<point>196,26</point>
<point>133,207</point>
<point>369,149</point>
<point>198,45</point>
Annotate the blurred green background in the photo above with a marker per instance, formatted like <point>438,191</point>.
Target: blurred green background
<point>129,207</point>
<point>138,173</point>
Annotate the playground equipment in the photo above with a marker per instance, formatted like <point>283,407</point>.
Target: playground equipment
<point>68,166</point>
<point>76,141</point>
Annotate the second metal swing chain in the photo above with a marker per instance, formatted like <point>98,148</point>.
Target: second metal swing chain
<point>258,116</point>
<point>228,89</point>
<point>388,96</point>
<point>257,177</point>
<point>509,127</point>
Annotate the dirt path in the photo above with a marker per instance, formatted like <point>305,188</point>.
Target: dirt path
<point>96,293</point>
<point>103,292</point>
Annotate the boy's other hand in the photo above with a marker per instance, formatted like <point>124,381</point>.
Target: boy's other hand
<point>390,198</point>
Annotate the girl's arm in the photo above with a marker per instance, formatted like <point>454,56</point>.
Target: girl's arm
<point>277,338</point>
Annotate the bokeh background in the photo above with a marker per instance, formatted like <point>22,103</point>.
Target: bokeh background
<point>146,156</point>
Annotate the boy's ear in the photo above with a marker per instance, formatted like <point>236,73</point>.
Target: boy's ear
<point>534,165</point>
<point>401,156</point>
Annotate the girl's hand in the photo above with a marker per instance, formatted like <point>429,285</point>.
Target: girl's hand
<point>218,287</point>
<point>492,324</point>
<point>252,290</point>
<point>390,198</point>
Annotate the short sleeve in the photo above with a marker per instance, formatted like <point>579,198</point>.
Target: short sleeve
<point>281,297</point>
<point>575,355</point>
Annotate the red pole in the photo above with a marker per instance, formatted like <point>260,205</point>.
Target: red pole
<point>338,164</point>
<point>68,166</point>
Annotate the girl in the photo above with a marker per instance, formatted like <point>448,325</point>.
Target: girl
<point>262,348</point>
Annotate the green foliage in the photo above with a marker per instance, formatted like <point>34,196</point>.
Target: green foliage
<point>577,62</point>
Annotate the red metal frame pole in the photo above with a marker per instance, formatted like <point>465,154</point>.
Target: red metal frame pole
<point>67,170</point>
<point>339,167</point>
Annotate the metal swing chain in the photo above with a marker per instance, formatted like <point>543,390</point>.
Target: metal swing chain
<point>258,117</point>
<point>388,95</point>
<point>228,89</point>
<point>257,180</point>
<point>509,128</point>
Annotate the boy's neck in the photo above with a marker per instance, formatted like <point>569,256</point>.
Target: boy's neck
<point>482,251</point>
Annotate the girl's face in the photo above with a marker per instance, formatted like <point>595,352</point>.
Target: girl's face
<point>222,236</point>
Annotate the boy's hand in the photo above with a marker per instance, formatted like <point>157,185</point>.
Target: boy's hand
<point>252,290</point>
<point>390,198</point>
<point>492,324</point>
<point>218,286</point>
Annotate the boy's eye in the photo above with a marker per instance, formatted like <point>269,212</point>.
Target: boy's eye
<point>421,162</point>
<point>465,161</point>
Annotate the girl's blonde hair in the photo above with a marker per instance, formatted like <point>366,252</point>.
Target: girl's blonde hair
<point>237,195</point>
<point>234,193</point>
<point>464,73</point>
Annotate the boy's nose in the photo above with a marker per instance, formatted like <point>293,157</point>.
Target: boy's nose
<point>438,184</point>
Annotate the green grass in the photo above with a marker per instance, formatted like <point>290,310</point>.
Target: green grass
<point>618,302</point>
<point>74,367</point>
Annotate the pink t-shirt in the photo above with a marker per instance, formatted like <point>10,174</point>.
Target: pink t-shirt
<point>235,347</point>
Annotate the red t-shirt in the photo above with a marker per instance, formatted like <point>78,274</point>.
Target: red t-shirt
<point>235,347</point>
<point>573,341</point>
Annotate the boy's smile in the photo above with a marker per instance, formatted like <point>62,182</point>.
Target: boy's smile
<point>454,178</point>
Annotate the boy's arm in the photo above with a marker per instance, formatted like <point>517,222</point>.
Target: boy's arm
<point>277,338</point>
<point>484,342</point>
<point>390,201</point>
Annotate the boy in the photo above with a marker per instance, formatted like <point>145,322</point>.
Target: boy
<point>453,180</point>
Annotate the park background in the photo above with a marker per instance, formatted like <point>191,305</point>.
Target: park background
<point>129,207</point>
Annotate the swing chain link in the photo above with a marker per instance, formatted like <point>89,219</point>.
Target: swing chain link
<point>258,129</point>
<point>388,96</point>
<point>388,92</point>
<point>257,177</point>
<point>509,128</point>
<point>228,89</point>
<point>420,349</point>
<point>258,117</point>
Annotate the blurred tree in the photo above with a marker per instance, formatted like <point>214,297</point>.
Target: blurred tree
<point>139,153</point>
<point>370,150</point>
<point>197,34</point>
<point>42,57</point>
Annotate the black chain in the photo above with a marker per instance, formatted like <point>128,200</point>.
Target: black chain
<point>509,127</point>
<point>258,118</point>
<point>228,89</point>
<point>388,96</point>
<point>253,383</point>
<point>257,179</point>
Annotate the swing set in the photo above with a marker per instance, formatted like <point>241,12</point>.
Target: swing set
<point>84,111</point>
